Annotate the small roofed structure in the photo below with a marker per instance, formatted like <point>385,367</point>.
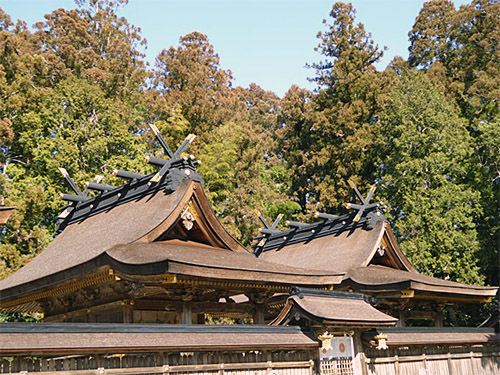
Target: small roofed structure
<point>331,309</point>
<point>69,338</point>
<point>400,337</point>
<point>84,348</point>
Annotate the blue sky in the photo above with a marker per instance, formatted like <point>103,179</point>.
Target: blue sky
<point>263,41</point>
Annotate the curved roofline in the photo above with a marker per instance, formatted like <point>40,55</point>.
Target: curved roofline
<point>195,198</point>
<point>394,243</point>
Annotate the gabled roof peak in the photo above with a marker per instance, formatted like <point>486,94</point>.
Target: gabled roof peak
<point>366,216</point>
<point>172,172</point>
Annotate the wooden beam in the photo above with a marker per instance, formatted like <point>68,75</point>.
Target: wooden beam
<point>196,306</point>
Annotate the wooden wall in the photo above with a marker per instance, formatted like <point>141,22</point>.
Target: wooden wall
<point>430,360</point>
<point>415,360</point>
<point>289,362</point>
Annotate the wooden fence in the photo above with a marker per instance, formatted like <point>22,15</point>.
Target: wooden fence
<point>160,360</point>
<point>435,360</point>
<point>259,368</point>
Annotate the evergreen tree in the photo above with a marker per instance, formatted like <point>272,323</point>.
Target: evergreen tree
<point>425,152</point>
<point>460,49</point>
<point>332,143</point>
<point>70,93</point>
<point>93,43</point>
<point>189,77</point>
<point>464,45</point>
<point>73,126</point>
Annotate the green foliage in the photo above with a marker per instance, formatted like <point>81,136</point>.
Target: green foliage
<point>463,44</point>
<point>328,137</point>
<point>427,149</point>
<point>189,77</point>
<point>460,50</point>
<point>76,94</point>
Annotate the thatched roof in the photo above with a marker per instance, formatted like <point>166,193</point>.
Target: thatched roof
<point>146,236</point>
<point>330,308</point>
<point>433,336</point>
<point>71,338</point>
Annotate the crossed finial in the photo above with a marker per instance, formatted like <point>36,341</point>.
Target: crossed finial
<point>365,201</point>
<point>81,196</point>
<point>269,229</point>
<point>173,156</point>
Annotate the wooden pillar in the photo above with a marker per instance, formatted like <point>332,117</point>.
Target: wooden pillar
<point>186,315</point>
<point>438,319</point>
<point>258,315</point>
<point>259,300</point>
<point>359,356</point>
<point>128,313</point>
<point>439,316</point>
<point>401,318</point>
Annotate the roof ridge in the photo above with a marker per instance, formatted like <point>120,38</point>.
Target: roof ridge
<point>308,232</point>
<point>302,292</point>
<point>172,172</point>
<point>366,216</point>
<point>135,189</point>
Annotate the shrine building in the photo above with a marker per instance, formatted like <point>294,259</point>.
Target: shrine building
<point>138,274</point>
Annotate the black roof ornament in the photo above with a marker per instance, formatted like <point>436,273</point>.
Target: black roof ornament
<point>131,176</point>
<point>366,217</point>
<point>79,196</point>
<point>365,202</point>
<point>174,156</point>
<point>270,229</point>
<point>70,182</point>
<point>173,171</point>
<point>266,232</point>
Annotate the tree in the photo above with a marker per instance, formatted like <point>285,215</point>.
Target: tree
<point>426,151</point>
<point>294,135</point>
<point>93,43</point>
<point>332,141</point>
<point>189,77</point>
<point>431,35</point>
<point>464,44</point>
<point>73,126</point>
<point>241,171</point>
<point>460,48</point>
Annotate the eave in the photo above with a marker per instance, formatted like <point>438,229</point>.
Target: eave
<point>71,338</point>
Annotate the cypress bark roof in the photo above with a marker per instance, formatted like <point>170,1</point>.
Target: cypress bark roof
<point>434,336</point>
<point>370,260</point>
<point>332,309</point>
<point>188,258</point>
<point>26,338</point>
<point>137,238</point>
<point>339,252</point>
<point>376,277</point>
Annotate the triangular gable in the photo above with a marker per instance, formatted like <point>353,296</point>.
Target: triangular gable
<point>387,252</point>
<point>194,220</point>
